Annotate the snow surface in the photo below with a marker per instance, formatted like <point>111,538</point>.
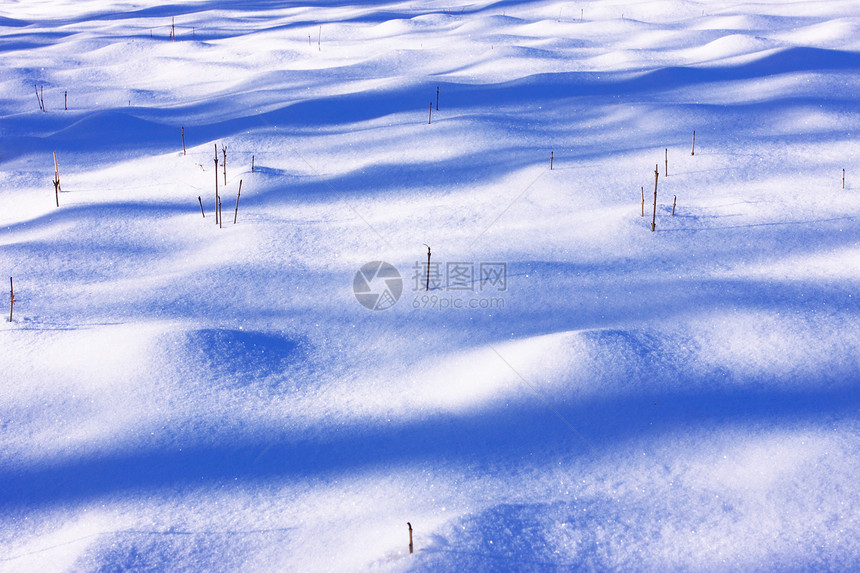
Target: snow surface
<point>177,396</point>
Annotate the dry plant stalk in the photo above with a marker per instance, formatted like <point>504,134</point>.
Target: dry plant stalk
<point>236,213</point>
<point>654,214</point>
<point>11,298</point>
<point>57,172</point>
<point>427,283</point>
<point>411,547</point>
<point>40,95</point>
<point>56,181</point>
<point>224,165</point>
<point>216,183</point>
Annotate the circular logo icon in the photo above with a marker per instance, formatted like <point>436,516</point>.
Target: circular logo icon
<point>377,285</point>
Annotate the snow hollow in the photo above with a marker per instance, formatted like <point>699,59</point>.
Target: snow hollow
<point>284,383</point>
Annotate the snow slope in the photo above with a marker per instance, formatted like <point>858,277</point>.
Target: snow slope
<point>179,396</point>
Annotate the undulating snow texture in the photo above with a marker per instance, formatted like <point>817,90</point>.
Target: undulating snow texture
<point>182,396</point>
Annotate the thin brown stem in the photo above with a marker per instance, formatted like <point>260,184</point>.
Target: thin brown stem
<point>654,214</point>
<point>239,194</point>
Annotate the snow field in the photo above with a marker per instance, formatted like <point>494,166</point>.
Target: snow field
<point>182,397</point>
